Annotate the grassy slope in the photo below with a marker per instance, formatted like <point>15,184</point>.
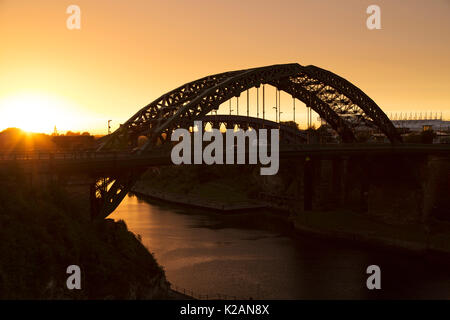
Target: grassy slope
<point>226,184</point>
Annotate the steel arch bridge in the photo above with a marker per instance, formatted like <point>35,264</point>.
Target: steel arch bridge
<point>341,104</point>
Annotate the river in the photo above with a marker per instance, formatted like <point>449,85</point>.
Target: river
<point>214,254</point>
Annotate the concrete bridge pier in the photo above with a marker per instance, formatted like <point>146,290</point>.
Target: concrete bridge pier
<point>339,173</point>
<point>325,184</point>
<point>354,183</point>
<point>319,183</point>
<point>392,189</point>
<point>397,189</point>
<point>436,186</point>
<point>299,188</point>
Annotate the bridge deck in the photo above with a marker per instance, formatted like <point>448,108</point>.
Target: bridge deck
<point>107,162</point>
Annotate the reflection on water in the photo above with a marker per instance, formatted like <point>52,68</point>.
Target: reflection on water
<point>200,255</point>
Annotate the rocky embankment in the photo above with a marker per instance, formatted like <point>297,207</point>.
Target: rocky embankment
<point>43,232</point>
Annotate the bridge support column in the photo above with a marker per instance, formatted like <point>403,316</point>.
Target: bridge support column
<point>299,190</point>
<point>435,186</point>
<point>396,192</point>
<point>326,185</point>
<point>354,184</point>
<point>339,173</point>
<point>308,184</point>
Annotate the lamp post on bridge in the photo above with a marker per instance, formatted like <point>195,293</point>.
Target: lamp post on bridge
<point>248,104</point>
<point>276,105</point>
<point>264,104</point>
<point>279,105</point>
<point>257,102</point>
<point>293,100</point>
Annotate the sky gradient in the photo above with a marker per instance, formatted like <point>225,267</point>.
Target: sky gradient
<point>129,53</point>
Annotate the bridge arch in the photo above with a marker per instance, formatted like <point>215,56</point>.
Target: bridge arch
<point>340,103</point>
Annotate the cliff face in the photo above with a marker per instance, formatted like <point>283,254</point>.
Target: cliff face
<point>42,233</point>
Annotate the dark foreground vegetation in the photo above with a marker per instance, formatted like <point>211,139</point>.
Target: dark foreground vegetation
<point>43,232</point>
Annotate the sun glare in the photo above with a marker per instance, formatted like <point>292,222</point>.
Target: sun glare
<point>36,112</point>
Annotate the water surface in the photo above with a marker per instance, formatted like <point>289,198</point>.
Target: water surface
<point>211,254</point>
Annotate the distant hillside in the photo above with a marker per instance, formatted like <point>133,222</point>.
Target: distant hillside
<point>16,140</point>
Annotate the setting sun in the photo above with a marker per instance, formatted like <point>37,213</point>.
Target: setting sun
<point>36,112</point>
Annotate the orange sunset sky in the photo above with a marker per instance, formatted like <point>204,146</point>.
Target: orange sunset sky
<point>129,52</point>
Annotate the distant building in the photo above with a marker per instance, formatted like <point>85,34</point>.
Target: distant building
<point>412,125</point>
<point>422,124</point>
<point>407,125</point>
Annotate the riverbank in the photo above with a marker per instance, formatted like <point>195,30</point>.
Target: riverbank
<point>197,200</point>
<point>358,227</point>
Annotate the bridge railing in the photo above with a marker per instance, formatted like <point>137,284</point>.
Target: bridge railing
<point>76,155</point>
<point>126,154</point>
